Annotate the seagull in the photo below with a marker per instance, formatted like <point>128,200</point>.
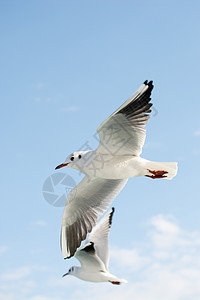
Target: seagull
<point>94,255</point>
<point>107,169</point>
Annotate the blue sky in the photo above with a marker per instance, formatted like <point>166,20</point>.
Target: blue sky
<point>65,67</point>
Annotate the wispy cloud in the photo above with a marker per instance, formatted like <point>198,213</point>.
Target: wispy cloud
<point>197,132</point>
<point>39,85</point>
<point>164,231</point>
<point>16,274</point>
<point>128,258</point>
<point>40,223</point>
<point>69,109</point>
<point>3,249</point>
<point>16,289</point>
<point>41,297</point>
<point>196,152</point>
<point>165,265</point>
<point>36,251</point>
<point>44,99</point>
<point>19,283</point>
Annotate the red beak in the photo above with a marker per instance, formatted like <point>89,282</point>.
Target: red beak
<point>61,166</point>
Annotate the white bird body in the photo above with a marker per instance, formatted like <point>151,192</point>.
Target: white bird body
<point>92,275</point>
<point>94,255</point>
<point>94,164</point>
<point>107,169</point>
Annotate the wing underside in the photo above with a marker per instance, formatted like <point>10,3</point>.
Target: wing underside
<point>123,133</point>
<point>99,237</point>
<point>90,198</point>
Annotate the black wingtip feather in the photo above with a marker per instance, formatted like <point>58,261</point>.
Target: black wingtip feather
<point>111,216</point>
<point>150,84</point>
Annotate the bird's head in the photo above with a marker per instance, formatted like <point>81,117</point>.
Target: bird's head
<point>72,160</point>
<point>72,271</point>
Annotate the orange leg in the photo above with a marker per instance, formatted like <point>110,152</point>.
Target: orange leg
<point>115,282</point>
<point>156,174</point>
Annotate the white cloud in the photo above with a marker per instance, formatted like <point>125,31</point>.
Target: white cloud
<point>6,296</point>
<point>165,265</point>
<point>36,251</point>
<point>128,258</point>
<point>42,297</point>
<point>16,274</point>
<point>40,85</point>
<point>196,152</point>
<point>15,290</point>
<point>44,99</point>
<point>18,283</point>
<point>165,224</point>
<point>3,249</point>
<point>37,99</point>
<point>69,109</point>
<point>197,132</point>
<point>164,232</point>
<point>40,223</point>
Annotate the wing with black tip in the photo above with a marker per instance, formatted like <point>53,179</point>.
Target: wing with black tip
<point>123,133</point>
<point>99,237</point>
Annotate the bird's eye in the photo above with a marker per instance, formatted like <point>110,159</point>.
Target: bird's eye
<point>79,156</point>
<point>72,158</point>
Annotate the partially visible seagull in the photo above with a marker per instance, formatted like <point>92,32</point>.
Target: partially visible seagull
<point>108,168</point>
<point>94,255</point>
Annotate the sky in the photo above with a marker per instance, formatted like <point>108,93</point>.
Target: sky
<point>65,67</point>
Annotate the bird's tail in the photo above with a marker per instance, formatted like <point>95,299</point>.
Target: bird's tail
<point>166,170</point>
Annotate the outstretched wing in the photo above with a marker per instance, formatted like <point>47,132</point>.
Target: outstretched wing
<point>99,236</point>
<point>85,202</point>
<point>88,258</point>
<point>123,133</point>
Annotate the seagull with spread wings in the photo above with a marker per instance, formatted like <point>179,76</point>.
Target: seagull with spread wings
<point>94,255</point>
<point>108,168</point>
